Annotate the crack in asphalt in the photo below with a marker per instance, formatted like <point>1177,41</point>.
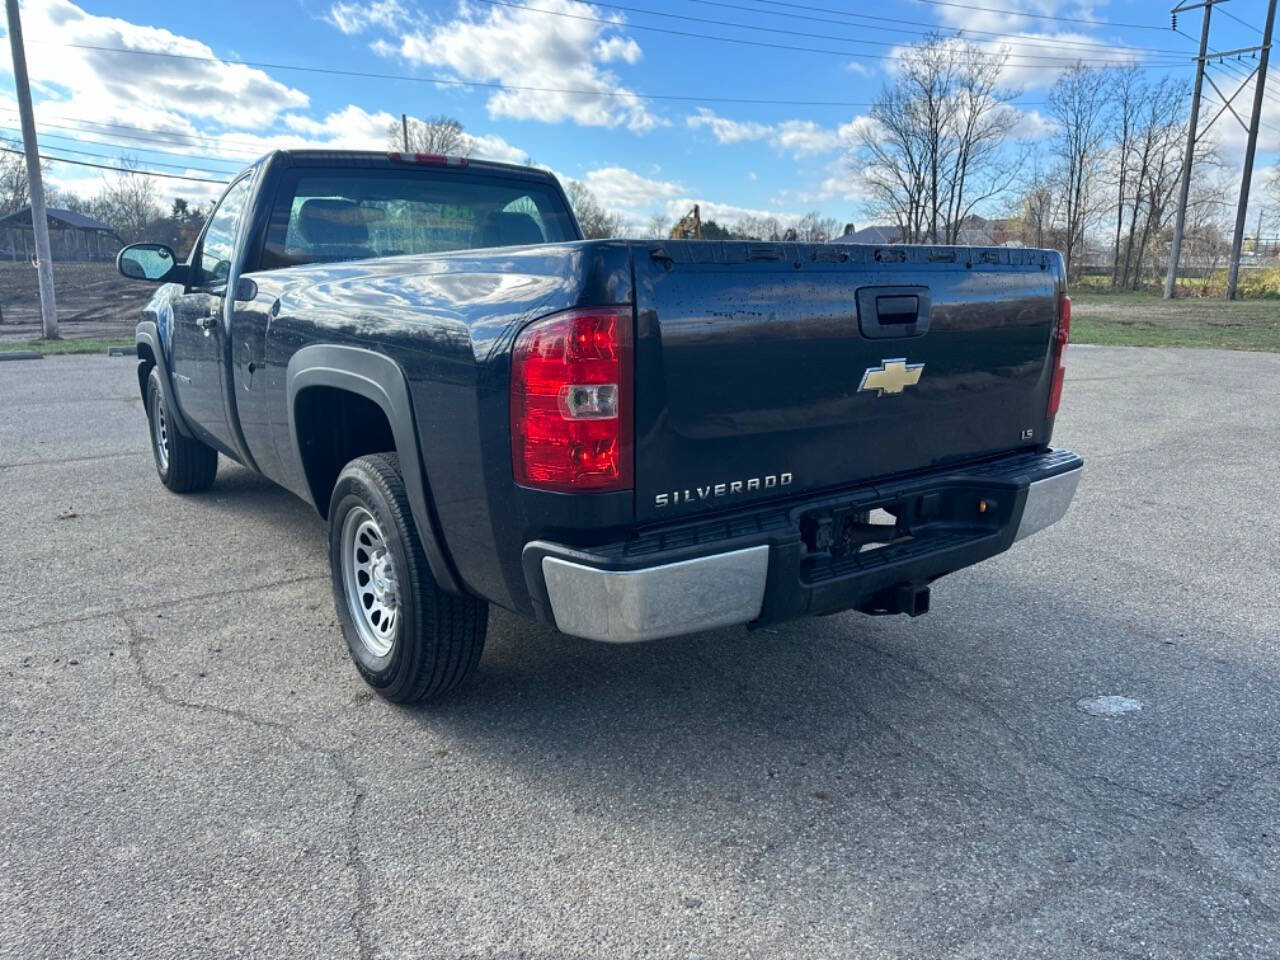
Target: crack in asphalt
<point>122,612</point>
<point>46,463</point>
<point>354,859</point>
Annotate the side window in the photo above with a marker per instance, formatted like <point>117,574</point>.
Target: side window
<point>218,245</point>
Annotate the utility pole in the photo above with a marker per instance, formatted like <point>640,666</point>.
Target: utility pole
<point>404,130</point>
<point>39,219</point>
<point>1171,280</point>
<point>1237,239</point>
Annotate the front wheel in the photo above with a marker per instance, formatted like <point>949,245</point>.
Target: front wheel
<point>185,465</point>
<point>409,639</point>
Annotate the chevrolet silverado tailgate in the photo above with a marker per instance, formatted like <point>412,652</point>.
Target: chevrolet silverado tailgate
<point>774,369</point>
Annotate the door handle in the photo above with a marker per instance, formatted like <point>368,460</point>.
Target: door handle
<point>206,323</point>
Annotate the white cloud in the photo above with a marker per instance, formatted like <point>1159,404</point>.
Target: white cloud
<point>490,146</point>
<point>797,137</point>
<point>805,136</point>
<point>1032,125</point>
<point>352,18</point>
<point>526,48</point>
<point>726,130</point>
<point>858,68</point>
<point>621,189</point>
<point>354,128</point>
<point>1035,58</point>
<point>619,48</point>
<point>150,92</point>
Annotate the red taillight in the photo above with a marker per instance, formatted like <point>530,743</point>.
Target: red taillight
<point>571,410</point>
<point>428,159</point>
<point>1059,351</point>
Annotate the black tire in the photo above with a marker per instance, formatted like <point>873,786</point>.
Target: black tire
<point>435,638</point>
<point>185,465</point>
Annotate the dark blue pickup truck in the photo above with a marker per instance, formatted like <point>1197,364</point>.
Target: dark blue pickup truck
<point>625,439</point>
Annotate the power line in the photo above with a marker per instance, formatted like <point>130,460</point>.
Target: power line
<point>1040,16</point>
<point>1228,13</point>
<point>117,169</point>
<point>877,43</point>
<point>1225,63</point>
<point>453,82</point>
<point>87,153</point>
<point>1234,73</point>
<point>933,27</point>
<point>141,138</point>
<point>1021,60</point>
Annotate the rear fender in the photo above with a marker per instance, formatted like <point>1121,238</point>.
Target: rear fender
<point>379,379</point>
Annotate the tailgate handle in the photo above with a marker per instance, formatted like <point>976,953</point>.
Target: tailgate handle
<point>897,309</point>
<point>893,311</point>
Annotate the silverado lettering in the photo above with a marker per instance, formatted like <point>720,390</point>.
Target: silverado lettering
<point>767,482</point>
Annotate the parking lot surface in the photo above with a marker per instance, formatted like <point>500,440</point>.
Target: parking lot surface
<point>190,766</point>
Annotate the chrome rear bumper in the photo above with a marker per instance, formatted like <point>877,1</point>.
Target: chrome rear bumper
<point>1047,502</point>
<point>662,601</point>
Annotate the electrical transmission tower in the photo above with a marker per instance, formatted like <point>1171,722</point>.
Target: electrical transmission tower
<point>1195,134</point>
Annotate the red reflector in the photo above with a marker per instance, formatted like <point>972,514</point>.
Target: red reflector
<point>571,410</point>
<point>428,159</point>
<point>1060,339</point>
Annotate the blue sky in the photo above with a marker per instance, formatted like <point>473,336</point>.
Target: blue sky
<point>206,116</point>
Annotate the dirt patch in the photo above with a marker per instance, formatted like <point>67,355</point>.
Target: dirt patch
<point>93,301</point>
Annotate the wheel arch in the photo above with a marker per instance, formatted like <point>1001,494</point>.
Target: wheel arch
<point>151,354</point>
<point>375,379</point>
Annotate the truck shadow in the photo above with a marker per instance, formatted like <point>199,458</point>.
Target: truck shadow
<point>939,726</point>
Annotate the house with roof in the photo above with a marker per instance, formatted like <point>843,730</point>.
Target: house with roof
<point>72,236</point>
<point>883,234</point>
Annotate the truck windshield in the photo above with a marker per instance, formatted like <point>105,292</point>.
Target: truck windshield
<point>323,216</point>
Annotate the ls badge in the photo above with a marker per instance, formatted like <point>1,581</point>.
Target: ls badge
<point>892,376</point>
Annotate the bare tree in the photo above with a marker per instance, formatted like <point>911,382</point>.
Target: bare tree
<point>1078,102</point>
<point>936,145</point>
<point>127,202</point>
<point>757,228</point>
<point>597,223</point>
<point>892,157</point>
<point>1128,95</point>
<point>1157,168</point>
<point>1036,210</point>
<point>14,193</point>
<point>658,227</point>
<point>438,134</point>
<point>813,227</point>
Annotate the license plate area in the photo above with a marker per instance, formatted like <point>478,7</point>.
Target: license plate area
<point>846,530</point>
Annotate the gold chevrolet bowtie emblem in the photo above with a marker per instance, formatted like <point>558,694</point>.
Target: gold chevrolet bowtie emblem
<point>892,376</point>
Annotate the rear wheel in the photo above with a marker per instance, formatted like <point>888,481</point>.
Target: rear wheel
<point>409,639</point>
<point>185,465</point>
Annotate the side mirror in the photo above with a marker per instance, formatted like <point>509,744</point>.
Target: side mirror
<point>150,261</point>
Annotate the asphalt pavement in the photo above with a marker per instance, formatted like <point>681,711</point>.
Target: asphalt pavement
<point>191,767</point>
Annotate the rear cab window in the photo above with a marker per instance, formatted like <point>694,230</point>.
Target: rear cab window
<point>327,215</point>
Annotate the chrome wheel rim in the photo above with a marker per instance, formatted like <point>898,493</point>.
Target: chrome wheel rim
<point>369,581</point>
<point>160,431</point>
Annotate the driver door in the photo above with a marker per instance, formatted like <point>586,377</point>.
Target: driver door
<point>199,323</point>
